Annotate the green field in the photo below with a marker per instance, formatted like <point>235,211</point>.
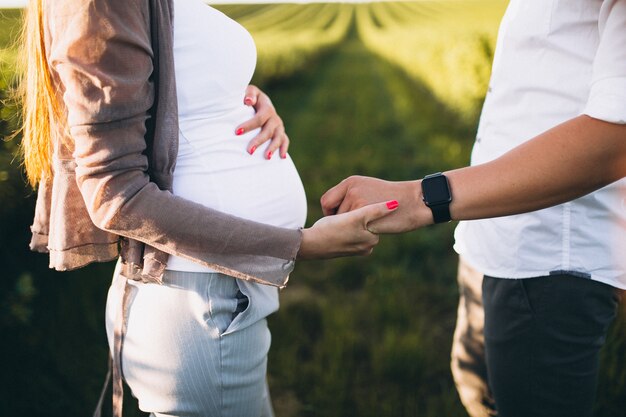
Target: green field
<point>384,89</point>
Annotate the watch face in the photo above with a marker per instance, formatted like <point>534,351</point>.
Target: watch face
<point>436,190</point>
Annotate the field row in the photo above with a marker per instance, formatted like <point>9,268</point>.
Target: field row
<point>447,45</point>
<point>288,36</point>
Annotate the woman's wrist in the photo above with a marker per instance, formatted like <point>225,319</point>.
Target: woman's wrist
<point>306,244</point>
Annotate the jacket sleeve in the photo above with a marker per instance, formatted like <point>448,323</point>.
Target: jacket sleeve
<point>99,52</point>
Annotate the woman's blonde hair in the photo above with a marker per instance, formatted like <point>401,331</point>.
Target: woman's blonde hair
<point>40,107</point>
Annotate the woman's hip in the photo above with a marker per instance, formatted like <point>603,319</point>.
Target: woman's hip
<point>179,355</point>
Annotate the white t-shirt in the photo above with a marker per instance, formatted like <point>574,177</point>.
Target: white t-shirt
<point>214,61</point>
<point>554,60</point>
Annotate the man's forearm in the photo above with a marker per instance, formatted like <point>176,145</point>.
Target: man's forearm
<point>566,162</point>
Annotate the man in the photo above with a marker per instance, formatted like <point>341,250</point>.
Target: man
<point>553,129</point>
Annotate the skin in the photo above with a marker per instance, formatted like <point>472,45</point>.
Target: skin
<point>345,234</point>
<point>266,117</point>
<point>329,237</point>
<point>561,164</point>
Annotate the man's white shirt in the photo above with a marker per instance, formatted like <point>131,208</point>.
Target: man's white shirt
<point>554,60</point>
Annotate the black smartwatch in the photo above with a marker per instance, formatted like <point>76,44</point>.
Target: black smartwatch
<point>436,195</point>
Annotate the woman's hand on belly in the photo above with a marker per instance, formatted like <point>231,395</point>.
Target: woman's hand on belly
<point>266,118</point>
<point>344,234</point>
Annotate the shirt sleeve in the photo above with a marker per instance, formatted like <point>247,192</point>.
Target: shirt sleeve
<point>607,97</point>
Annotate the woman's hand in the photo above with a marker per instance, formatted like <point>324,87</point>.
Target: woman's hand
<point>344,234</point>
<point>272,128</point>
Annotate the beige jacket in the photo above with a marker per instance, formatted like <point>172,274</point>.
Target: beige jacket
<point>110,193</point>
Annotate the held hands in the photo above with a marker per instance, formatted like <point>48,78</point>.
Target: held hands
<point>272,128</point>
<point>357,191</point>
<point>344,234</point>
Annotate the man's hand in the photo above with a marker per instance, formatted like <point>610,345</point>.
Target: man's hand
<point>357,191</point>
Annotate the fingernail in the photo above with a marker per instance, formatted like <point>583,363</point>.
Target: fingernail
<point>239,131</point>
<point>247,101</point>
<point>252,149</point>
<point>283,156</point>
<point>393,204</point>
<point>269,155</point>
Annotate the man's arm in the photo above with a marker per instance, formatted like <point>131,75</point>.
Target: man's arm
<point>561,164</point>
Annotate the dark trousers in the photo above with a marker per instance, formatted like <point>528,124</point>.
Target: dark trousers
<point>542,341</point>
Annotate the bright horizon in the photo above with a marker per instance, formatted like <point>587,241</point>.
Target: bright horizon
<point>7,4</point>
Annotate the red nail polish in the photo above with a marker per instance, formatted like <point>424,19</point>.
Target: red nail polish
<point>284,156</point>
<point>252,149</point>
<point>392,204</point>
<point>239,131</point>
<point>269,155</point>
<point>247,101</point>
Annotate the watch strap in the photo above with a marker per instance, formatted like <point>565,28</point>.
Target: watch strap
<point>441,213</point>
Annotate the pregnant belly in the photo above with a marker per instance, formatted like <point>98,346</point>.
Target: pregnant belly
<point>213,168</point>
<point>269,192</point>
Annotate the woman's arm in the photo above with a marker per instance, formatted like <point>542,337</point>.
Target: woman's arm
<point>563,163</point>
<point>101,60</point>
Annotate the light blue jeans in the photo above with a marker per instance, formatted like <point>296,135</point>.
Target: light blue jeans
<point>184,354</point>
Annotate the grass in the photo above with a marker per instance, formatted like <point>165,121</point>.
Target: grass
<point>361,336</point>
<point>447,45</point>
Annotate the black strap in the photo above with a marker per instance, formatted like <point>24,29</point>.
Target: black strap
<point>441,213</point>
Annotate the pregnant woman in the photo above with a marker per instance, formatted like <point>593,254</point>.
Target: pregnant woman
<point>137,131</point>
<point>199,342</point>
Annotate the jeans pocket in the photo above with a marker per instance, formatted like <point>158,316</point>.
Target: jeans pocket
<point>243,306</point>
<point>223,301</point>
<point>507,308</point>
<point>534,291</point>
